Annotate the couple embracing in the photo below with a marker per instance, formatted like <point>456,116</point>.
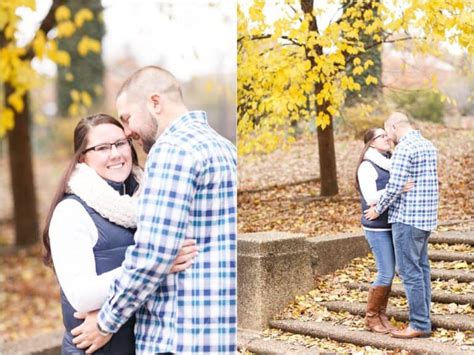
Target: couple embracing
<point>399,196</point>
<point>146,259</point>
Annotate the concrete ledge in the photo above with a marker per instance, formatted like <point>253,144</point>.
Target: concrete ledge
<point>273,268</point>
<point>44,344</point>
<point>331,253</point>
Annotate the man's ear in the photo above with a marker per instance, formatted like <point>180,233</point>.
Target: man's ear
<point>154,103</point>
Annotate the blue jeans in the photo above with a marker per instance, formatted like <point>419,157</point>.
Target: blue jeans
<point>381,244</point>
<point>411,253</point>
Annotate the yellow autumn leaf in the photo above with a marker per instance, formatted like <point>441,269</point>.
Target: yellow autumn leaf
<point>62,13</point>
<point>75,96</point>
<point>371,80</point>
<point>69,77</point>
<point>73,110</point>
<point>39,44</point>
<point>87,44</point>
<point>368,63</point>
<point>16,101</point>
<point>61,57</point>
<point>82,16</point>
<point>358,70</point>
<point>3,19</point>
<point>7,118</point>
<point>66,29</point>
<point>86,99</point>
<point>461,265</point>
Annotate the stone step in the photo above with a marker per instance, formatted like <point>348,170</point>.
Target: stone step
<point>436,296</point>
<point>362,337</point>
<point>460,275</point>
<point>441,255</point>
<point>453,237</point>
<point>452,321</point>
<point>256,343</point>
<point>445,274</point>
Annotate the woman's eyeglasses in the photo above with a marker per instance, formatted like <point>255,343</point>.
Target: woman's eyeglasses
<point>383,135</point>
<point>122,145</point>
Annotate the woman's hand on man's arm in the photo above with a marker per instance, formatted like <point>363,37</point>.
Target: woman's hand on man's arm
<point>186,255</point>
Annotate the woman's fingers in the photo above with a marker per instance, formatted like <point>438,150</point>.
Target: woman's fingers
<point>183,262</point>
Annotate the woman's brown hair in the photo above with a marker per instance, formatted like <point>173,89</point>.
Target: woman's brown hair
<point>81,133</point>
<point>369,136</point>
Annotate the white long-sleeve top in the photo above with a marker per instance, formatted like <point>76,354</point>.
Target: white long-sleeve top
<point>367,175</point>
<point>73,234</point>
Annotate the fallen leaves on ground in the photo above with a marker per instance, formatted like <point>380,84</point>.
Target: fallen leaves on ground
<point>452,265</point>
<point>322,344</point>
<point>465,248</point>
<point>275,194</point>
<point>29,296</point>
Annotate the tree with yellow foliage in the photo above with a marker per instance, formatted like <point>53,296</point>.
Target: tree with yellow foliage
<point>293,60</point>
<point>17,79</point>
<point>80,84</point>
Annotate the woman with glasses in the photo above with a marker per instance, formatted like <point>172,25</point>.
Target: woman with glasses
<point>373,173</point>
<point>91,223</point>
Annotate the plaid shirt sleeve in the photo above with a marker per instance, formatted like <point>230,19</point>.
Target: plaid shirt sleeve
<point>169,187</point>
<point>399,174</point>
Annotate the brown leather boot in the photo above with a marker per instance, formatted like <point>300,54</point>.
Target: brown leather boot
<point>372,319</point>
<point>383,309</point>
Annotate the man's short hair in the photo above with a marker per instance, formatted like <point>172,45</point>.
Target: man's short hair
<point>397,117</point>
<point>151,79</point>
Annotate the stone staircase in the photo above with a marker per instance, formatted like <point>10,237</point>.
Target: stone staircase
<point>451,255</point>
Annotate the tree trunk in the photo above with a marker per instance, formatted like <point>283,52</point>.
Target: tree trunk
<point>327,152</point>
<point>22,180</point>
<point>327,161</point>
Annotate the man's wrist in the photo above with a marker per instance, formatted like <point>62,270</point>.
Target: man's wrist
<point>102,332</point>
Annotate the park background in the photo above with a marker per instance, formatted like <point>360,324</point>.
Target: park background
<point>61,60</point>
<point>313,76</point>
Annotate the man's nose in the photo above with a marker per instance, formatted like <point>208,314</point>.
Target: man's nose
<point>128,132</point>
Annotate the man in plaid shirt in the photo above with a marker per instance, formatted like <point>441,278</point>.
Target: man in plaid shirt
<point>189,192</point>
<point>413,216</point>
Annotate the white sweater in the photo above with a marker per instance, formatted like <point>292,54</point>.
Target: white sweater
<point>367,176</point>
<point>73,235</point>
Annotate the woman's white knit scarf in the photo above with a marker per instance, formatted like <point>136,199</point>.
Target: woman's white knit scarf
<point>99,195</point>
<point>376,157</point>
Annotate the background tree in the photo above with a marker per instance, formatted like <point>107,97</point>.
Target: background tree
<point>84,76</point>
<point>18,78</point>
<point>294,68</point>
<point>373,53</point>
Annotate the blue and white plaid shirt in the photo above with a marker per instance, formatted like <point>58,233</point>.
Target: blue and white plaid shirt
<point>415,157</point>
<point>189,192</point>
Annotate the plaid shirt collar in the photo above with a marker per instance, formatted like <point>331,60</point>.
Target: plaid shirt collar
<point>414,133</point>
<point>183,121</point>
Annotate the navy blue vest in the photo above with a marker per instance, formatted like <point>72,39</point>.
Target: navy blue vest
<point>382,180</point>
<point>109,253</point>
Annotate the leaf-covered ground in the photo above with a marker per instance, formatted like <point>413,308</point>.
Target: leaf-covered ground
<point>29,296</point>
<point>280,191</point>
